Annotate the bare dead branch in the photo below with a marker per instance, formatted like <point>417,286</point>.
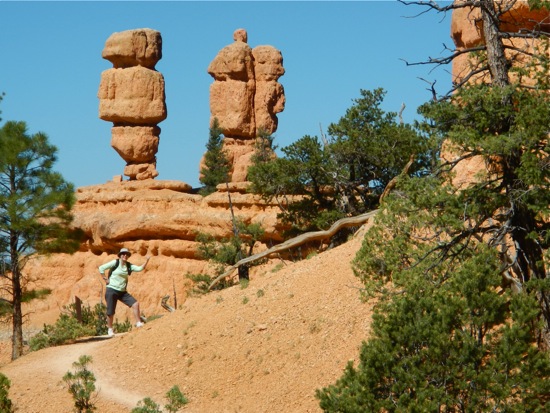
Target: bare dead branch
<point>401,113</point>
<point>391,185</point>
<point>299,240</point>
<point>323,137</point>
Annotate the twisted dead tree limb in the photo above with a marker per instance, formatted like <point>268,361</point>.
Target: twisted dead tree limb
<point>316,235</point>
<point>299,240</point>
<point>393,182</point>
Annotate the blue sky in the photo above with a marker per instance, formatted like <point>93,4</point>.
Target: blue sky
<point>51,68</point>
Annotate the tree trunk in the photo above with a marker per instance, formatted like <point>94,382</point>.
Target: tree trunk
<point>496,59</point>
<point>529,253</point>
<point>17,318</point>
<point>530,256</point>
<point>17,294</point>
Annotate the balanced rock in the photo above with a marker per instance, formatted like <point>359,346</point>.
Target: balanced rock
<point>132,96</point>
<point>141,47</point>
<point>135,144</point>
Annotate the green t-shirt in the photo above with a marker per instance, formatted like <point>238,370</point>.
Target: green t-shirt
<point>118,279</point>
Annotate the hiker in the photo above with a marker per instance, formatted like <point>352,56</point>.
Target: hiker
<point>117,281</point>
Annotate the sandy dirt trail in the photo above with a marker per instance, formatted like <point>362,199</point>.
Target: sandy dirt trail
<point>262,348</point>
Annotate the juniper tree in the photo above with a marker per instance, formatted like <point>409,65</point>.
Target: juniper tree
<point>460,272</point>
<point>318,181</point>
<point>459,327</point>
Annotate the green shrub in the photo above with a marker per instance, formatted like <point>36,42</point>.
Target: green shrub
<point>122,327</point>
<point>81,385</point>
<point>201,282</point>
<point>67,328</point>
<point>5,402</point>
<point>147,405</point>
<point>176,400</point>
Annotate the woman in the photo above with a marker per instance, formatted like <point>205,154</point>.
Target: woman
<point>117,281</point>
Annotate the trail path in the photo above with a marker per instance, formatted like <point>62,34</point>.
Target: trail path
<point>41,374</point>
<point>263,348</point>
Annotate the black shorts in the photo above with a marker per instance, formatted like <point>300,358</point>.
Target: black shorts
<point>113,296</point>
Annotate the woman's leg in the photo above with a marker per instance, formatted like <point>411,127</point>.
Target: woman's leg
<point>135,310</point>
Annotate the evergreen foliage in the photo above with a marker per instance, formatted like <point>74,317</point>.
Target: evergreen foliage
<point>229,251</point>
<point>448,333</point>
<point>176,400</point>
<point>217,166</point>
<point>318,182</point>
<point>460,267</point>
<point>6,405</point>
<point>81,385</point>
<point>264,147</point>
<point>35,211</point>
<point>147,405</point>
<point>68,327</point>
<point>224,252</point>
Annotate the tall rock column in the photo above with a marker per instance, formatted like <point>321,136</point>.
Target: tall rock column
<point>245,97</point>
<point>131,95</point>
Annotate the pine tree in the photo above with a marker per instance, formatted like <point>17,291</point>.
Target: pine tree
<point>449,334</point>
<point>35,217</point>
<point>217,166</point>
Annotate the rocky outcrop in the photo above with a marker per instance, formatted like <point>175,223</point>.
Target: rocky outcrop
<point>155,217</point>
<point>245,97</point>
<point>131,95</point>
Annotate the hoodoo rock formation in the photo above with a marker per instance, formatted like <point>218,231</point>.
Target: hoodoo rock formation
<point>156,217</point>
<point>245,98</point>
<point>131,95</point>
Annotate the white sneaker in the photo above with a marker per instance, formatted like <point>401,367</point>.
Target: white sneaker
<point>110,332</point>
<point>139,324</point>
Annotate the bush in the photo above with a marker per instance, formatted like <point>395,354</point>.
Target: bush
<point>67,328</point>
<point>201,282</point>
<point>147,405</point>
<point>176,400</point>
<point>5,402</point>
<point>81,385</point>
